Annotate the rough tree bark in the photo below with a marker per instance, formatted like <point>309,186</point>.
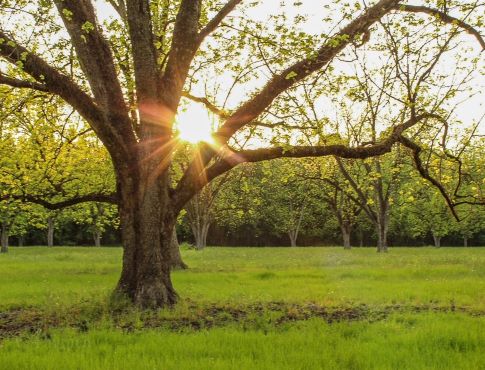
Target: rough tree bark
<point>4,238</point>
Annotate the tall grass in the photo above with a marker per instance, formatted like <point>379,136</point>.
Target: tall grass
<point>437,341</point>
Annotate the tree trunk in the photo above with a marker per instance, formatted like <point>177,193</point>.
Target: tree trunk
<point>361,238</point>
<point>465,241</point>
<point>293,236</point>
<point>382,228</point>
<point>21,240</point>
<point>437,241</point>
<point>346,230</point>
<point>4,238</point>
<point>200,231</point>
<point>50,232</point>
<point>97,238</point>
<point>177,262</point>
<point>382,238</point>
<point>205,233</point>
<point>147,222</point>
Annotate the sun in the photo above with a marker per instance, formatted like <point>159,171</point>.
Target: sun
<point>195,124</point>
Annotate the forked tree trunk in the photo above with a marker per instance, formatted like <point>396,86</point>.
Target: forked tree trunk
<point>176,258</point>
<point>200,231</point>
<point>293,234</point>
<point>437,241</point>
<point>4,238</point>
<point>50,232</point>
<point>293,237</point>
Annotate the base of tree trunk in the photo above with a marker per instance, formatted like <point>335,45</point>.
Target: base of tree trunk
<point>154,295</point>
<point>179,265</point>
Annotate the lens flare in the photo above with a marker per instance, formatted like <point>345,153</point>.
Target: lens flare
<point>195,125</point>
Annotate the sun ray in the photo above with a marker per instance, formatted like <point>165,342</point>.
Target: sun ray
<point>195,124</point>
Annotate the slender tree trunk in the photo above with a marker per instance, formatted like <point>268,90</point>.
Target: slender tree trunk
<point>177,262</point>
<point>97,238</point>
<point>361,238</point>
<point>147,222</point>
<point>437,241</point>
<point>200,234</point>
<point>293,237</point>
<point>382,238</point>
<point>346,229</point>
<point>21,240</point>
<point>4,238</point>
<point>465,241</point>
<point>205,233</point>
<point>50,232</point>
<point>382,228</point>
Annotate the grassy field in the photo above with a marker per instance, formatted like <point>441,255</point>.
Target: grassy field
<point>249,308</point>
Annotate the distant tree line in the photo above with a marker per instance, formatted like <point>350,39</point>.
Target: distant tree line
<point>289,203</point>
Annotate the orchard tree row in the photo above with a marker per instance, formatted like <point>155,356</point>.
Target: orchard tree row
<point>322,200</point>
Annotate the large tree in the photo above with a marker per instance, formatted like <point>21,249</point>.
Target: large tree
<point>129,75</point>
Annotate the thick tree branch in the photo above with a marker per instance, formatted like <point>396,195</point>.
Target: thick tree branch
<point>444,17</point>
<point>22,84</point>
<point>250,110</point>
<point>120,8</point>
<point>209,105</point>
<point>230,159</point>
<point>143,48</point>
<point>104,198</point>
<point>218,18</point>
<point>185,43</point>
<point>61,85</point>
<point>80,21</point>
<point>300,70</point>
<point>416,150</point>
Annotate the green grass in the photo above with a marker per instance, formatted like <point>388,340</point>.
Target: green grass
<point>47,278</point>
<point>425,341</point>
<point>423,310</point>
